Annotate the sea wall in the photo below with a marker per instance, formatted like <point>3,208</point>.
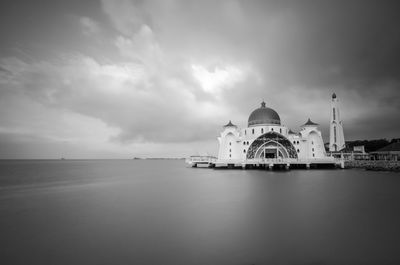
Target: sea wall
<point>378,165</point>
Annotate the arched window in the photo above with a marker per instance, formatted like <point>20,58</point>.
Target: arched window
<point>230,150</point>
<point>280,130</point>
<point>334,114</point>
<point>247,143</point>
<point>230,155</point>
<point>230,143</point>
<point>298,151</point>
<point>272,129</point>
<point>297,142</point>
<point>334,133</point>
<point>244,151</point>
<point>313,149</point>
<point>262,130</point>
<point>313,155</point>
<point>252,131</point>
<point>294,142</point>
<point>312,142</point>
<point>244,143</point>
<point>245,132</point>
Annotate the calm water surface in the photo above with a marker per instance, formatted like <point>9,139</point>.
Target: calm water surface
<point>161,212</point>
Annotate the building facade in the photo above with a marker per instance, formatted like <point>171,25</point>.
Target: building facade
<point>266,138</point>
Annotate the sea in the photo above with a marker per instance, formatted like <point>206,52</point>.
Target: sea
<point>163,212</point>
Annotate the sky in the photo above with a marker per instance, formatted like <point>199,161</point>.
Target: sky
<point>119,79</point>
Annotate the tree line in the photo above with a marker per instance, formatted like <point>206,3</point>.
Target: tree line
<point>371,145</point>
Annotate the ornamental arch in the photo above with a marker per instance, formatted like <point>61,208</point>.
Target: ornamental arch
<point>271,145</point>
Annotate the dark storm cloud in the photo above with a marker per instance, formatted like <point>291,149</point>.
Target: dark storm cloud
<point>150,75</point>
<point>357,40</point>
<point>5,71</point>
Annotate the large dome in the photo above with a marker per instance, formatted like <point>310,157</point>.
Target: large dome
<point>263,115</point>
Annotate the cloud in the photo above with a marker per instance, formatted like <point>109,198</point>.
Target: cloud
<point>143,106</point>
<point>213,81</point>
<point>89,26</point>
<point>126,16</point>
<point>141,46</point>
<point>162,74</point>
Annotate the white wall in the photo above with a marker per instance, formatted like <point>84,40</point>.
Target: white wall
<point>336,124</point>
<point>315,145</point>
<point>231,141</point>
<point>229,144</point>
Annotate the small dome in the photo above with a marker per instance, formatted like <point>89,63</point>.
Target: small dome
<point>310,123</point>
<point>263,115</point>
<point>230,124</point>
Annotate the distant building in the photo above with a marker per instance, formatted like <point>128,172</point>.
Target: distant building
<point>266,138</point>
<point>352,153</point>
<point>389,152</point>
<point>359,149</point>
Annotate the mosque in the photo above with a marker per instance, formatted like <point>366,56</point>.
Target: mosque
<point>266,140</point>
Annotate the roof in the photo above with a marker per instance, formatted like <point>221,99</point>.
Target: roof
<point>230,124</point>
<point>393,147</point>
<point>310,123</point>
<point>263,115</point>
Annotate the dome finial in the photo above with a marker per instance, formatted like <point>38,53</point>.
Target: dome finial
<point>334,95</point>
<point>263,104</point>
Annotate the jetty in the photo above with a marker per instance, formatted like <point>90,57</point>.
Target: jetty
<point>194,161</point>
<point>266,163</point>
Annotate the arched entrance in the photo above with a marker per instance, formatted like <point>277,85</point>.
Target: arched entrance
<point>271,149</point>
<point>271,145</point>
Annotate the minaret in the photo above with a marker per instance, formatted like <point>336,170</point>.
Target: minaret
<point>336,136</point>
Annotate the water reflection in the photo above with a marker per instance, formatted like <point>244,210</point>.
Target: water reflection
<point>160,212</point>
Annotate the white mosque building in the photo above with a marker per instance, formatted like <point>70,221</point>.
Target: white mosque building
<point>267,141</point>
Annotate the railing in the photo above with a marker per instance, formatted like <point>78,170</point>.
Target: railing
<point>201,159</point>
<point>270,160</point>
<point>289,160</point>
<point>214,160</point>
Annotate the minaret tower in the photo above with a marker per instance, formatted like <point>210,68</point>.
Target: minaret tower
<point>336,136</point>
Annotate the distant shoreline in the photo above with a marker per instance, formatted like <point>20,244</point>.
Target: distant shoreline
<point>374,165</point>
<point>88,159</point>
<point>159,158</point>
